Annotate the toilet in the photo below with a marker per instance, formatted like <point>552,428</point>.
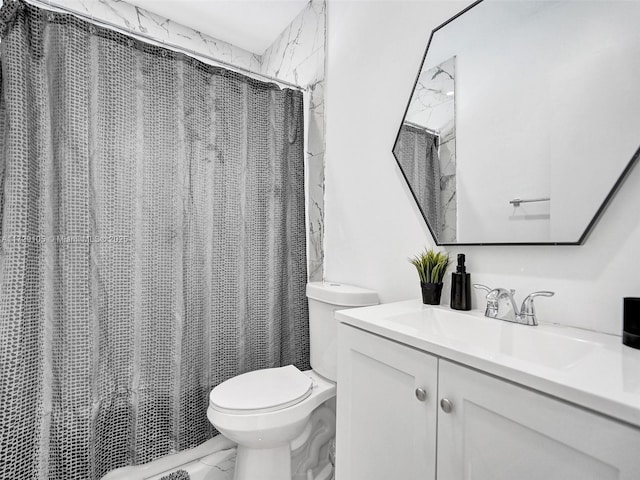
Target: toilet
<point>264,411</point>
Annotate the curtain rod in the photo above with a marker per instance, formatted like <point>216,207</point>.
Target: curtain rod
<point>49,5</point>
<point>422,127</point>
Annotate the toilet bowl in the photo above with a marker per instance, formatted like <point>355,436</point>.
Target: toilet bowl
<point>265,410</point>
<point>268,419</point>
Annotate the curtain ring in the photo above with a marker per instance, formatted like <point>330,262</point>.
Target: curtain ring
<point>129,34</point>
<point>50,15</point>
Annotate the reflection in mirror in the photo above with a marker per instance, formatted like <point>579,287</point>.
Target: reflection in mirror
<point>425,148</point>
<point>544,126</point>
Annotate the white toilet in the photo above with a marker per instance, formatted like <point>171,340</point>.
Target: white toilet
<point>265,410</point>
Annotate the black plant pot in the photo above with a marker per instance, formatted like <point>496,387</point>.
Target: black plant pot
<point>431,293</point>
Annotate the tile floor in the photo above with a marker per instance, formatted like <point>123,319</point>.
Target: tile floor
<point>217,466</point>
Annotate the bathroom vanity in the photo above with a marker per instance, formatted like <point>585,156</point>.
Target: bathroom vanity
<point>430,393</point>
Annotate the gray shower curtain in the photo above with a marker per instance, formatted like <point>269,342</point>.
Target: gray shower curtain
<point>417,153</point>
<point>153,243</point>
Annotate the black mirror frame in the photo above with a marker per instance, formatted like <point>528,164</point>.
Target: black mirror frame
<point>590,226</point>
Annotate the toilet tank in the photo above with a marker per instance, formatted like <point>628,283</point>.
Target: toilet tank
<point>324,299</point>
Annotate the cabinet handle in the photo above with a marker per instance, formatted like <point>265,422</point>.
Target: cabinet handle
<point>446,405</point>
<point>421,394</point>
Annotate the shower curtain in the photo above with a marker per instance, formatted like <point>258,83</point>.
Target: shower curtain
<point>153,243</point>
<point>417,153</point>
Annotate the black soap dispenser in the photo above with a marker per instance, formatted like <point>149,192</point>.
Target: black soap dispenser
<point>461,286</point>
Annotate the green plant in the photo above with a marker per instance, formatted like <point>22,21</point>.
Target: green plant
<point>431,265</point>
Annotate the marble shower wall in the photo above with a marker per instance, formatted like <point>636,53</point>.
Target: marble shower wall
<point>297,56</point>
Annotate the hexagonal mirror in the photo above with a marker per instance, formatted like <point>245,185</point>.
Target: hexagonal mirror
<point>523,121</point>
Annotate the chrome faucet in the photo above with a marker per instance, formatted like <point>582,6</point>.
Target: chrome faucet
<point>502,305</point>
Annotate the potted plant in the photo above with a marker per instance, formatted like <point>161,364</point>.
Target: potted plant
<point>431,266</point>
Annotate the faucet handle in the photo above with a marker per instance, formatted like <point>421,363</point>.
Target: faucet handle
<point>480,286</point>
<point>528,309</point>
<point>492,305</point>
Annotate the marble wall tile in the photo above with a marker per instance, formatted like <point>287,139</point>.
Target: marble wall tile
<point>298,54</point>
<point>315,181</point>
<point>448,200</point>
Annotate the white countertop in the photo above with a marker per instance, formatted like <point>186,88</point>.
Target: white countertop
<point>586,368</point>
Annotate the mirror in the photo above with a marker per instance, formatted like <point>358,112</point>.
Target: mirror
<point>523,121</point>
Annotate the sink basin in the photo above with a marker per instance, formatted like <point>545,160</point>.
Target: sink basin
<point>587,368</point>
<point>545,345</point>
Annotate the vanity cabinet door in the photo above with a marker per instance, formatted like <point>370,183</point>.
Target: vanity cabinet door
<point>386,426</point>
<point>500,431</point>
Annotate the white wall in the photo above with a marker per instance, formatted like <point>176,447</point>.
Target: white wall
<point>372,224</point>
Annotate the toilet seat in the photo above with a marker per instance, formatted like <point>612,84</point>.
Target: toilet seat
<point>261,391</point>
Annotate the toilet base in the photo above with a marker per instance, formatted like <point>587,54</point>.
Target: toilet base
<point>263,463</point>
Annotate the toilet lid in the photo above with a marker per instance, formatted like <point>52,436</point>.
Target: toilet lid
<point>261,391</point>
